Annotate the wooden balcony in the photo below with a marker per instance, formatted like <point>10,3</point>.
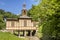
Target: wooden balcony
<point>21,28</point>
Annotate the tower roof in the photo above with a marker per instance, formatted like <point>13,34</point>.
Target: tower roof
<point>24,12</point>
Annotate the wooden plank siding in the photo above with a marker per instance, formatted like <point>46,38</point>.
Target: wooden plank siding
<point>22,28</point>
<point>20,25</point>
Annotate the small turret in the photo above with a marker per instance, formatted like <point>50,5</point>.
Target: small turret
<point>24,11</point>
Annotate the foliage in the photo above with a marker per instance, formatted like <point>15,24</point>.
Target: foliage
<point>7,15</point>
<point>48,14</point>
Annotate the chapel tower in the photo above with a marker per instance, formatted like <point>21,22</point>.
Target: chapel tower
<point>24,11</point>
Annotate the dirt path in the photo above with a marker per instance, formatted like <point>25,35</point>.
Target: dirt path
<point>34,38</point>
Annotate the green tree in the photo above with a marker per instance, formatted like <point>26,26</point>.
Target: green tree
<point>47,12</point>
<point>7,15</point>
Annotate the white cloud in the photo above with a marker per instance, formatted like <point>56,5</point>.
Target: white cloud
<point>2,3</point>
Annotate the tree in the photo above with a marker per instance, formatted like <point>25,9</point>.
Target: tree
<point>7,15</point>
<point>48,12</point>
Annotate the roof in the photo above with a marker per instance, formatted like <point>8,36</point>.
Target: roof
<point>16,19</point>
<point>12,19</point>
<point>25,16</point>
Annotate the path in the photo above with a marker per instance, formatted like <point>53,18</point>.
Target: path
<point>34,38</point>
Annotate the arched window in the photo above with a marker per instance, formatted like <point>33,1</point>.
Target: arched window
<point>24,12</point>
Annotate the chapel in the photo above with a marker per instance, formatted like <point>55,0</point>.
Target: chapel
<point>22,26</point>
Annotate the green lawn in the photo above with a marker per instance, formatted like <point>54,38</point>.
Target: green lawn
<point>8,36</point>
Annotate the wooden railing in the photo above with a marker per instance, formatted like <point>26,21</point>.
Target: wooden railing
<point>21,28</point>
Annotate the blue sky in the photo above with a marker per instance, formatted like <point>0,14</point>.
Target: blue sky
<point>15,6</point>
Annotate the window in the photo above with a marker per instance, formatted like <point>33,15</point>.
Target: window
<point>34,24</point>
<point>12,23</point>
<point>25,23</point>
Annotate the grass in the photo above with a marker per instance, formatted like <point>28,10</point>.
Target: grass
<point>8,36</point>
